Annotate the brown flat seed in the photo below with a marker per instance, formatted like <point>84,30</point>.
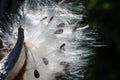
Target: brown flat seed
<point>36,73</point>
<point>43,18</point>
<point>63,45</point>
<point>61,25</point>
<point>45,61</point>
<point>50,19</point>
<point>58,77</point>
<point>74,29</point>
<point>59,31</point>
<point>65,64</point>
<point>62,63</point>
<point>66,70</point>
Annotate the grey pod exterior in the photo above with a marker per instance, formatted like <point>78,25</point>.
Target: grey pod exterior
<point>13,62</point>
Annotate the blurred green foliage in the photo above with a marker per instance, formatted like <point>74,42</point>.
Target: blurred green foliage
<point>104,16</point>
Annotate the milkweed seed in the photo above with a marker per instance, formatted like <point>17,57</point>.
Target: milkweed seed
<point>59,31</point>
<point>36,74</point>
<point>51,19</point>
<point>63,45</point>
<point>43,18</point>
<point>61,25</point>
<point>45,61</point>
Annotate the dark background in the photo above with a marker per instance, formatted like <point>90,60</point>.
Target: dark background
<point>9,6</point>
<point>104,16</point>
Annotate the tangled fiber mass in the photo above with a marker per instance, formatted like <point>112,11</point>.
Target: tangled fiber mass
<point>52,45</point>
